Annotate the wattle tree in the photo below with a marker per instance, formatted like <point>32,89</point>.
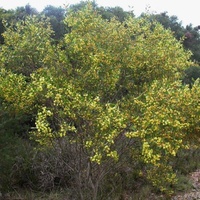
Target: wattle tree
<point>107,86</point>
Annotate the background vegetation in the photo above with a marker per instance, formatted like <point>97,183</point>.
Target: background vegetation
<point>96,103</point>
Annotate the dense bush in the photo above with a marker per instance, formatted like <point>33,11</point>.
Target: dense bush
<point>191,75</point>
<point>104,106</point>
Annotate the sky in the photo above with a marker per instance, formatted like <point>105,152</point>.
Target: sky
<point>186,11</point>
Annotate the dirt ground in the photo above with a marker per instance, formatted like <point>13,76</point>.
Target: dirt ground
<point>194,194</point>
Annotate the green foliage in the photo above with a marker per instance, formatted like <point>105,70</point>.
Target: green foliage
<point>166,121</point>
<point>27,44</point>
<point>192,41</point>
<point>24,11</point>
<point>116,12</point>
<point>80,6</point>
<point>74,92</point>
<point>15,162</point>
<point>56,16</point>
<point>4,15</point>
<point>189,34</point>
<point>166,115</point>
<point>128,63</point>
<point>170,22</point>
<point>191,74</point>
<point>187,160</point>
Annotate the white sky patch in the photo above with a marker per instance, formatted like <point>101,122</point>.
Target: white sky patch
<point>186,11</point>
